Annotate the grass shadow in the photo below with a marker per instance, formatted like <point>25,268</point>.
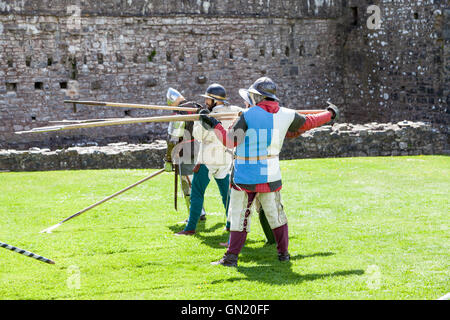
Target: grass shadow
<point>282,274</point>
<point>272,271</point>
<point>317,254</point>
<point>200,227</point>
<point>203,234</point>
<point>214,241</point>
<point>268,252</point>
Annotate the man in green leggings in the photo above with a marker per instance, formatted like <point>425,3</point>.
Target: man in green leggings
<point>214,160</point>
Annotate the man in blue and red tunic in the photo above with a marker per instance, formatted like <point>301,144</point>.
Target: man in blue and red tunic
<point>258,136</point>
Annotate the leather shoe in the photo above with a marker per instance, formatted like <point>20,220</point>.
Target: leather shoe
<point>185,233</point>
<point>228,260</point>
<point>283,257</point>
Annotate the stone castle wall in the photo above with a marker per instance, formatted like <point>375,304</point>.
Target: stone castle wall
<point>400,71</point>
<point>133,50</point>
<point>340,140</point>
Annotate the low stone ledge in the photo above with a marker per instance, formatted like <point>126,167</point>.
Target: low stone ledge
<point>372,139</point>
<point>339,140</point>
<point>113,156</point>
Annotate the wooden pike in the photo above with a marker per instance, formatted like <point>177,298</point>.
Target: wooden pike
<point>157,107</point>
<point>131,105</point>
<point>50,229</point>
<point>91,123</point>
<point>187,117</point>
<point>113,119</point>
<point>87,120</point>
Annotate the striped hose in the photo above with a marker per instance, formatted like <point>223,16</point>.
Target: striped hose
<point>26,253</point>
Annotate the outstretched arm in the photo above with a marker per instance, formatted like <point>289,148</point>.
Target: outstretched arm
<point>231,138</point>
<point>303,123</point>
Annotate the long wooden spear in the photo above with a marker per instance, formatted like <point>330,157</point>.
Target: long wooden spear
<point>50,229</point>
<point>79,124</point>
<point>87,120</point>
<point>113,119</point>
<point>131,105</point>
<point>187,117</point>
<point>157,107</point>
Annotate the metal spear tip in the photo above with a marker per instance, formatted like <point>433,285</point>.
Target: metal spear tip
<point>331,104</point>
<point>50,229</point>
<point>23,132</point>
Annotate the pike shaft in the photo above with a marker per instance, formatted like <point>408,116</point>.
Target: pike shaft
<point>26,253</point>
<point>114,122</point>
<point>131,105</point>
<point>104,200</point>
<point>186,117</point>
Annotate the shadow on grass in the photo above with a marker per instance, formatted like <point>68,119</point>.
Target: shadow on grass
<point>283,274</point>
<point>203,234</point>
<point>267,253</point>
<point>261,254</point>
<point>200,227</point>
<point>272,271</point>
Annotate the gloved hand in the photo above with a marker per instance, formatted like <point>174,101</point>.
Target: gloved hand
<point>207,122</point>
<point>168,167</point>
<point>201,108</point>
<point>333,109</point>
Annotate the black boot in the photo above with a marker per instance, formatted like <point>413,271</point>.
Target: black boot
<point>228,260</point>
<point>283,257</point>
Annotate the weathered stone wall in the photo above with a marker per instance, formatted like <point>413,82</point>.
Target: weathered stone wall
<point>102,53</point>
<point>133,50</point>
<point>213,8</point>
<point>339,140</point>
<point>400,71</point>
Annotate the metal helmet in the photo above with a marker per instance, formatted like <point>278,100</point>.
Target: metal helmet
<point>264,87</point>
<point>216,92</point>
<point>172,96</point>
<point>245,95</point>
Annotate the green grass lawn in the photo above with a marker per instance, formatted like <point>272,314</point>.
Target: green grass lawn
<point>360,228</point>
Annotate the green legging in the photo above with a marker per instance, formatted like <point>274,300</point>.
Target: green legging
<point>199,184</point>
<point>266,227</point>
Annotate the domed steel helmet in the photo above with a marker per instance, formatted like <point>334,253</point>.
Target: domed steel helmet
<point>245,95</point>
<point>216,92</point>
<point>172,95</point>
<point>264,87</point>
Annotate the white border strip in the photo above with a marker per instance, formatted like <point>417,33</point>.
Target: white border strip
<point>446,297</point>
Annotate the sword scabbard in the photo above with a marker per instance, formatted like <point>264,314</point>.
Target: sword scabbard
<point>175,196</point>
